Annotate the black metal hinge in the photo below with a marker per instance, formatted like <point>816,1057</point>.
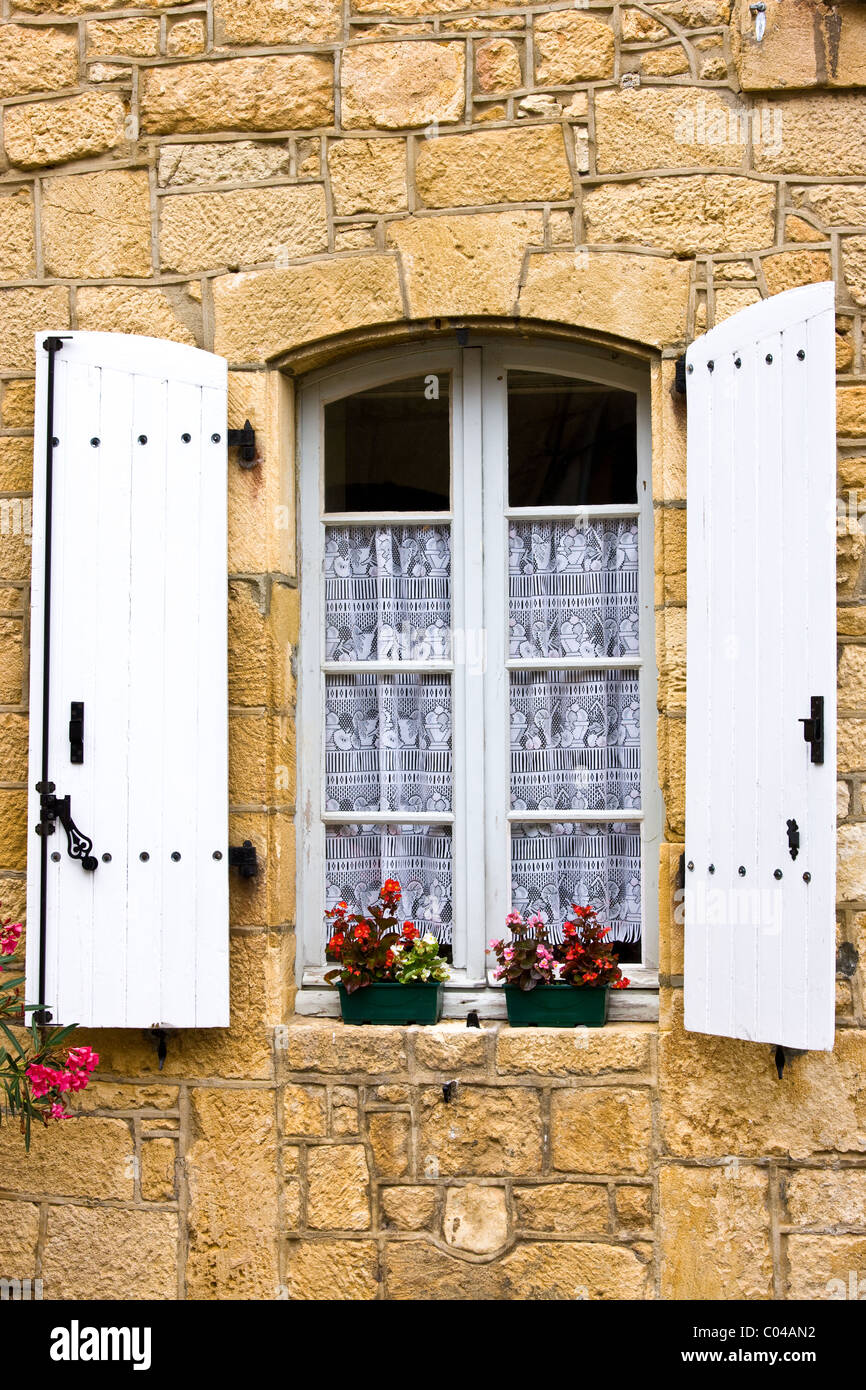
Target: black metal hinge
<point>57,808</point>
<point>245,440</point>
<point>680,375</point>
<point>244,859</point>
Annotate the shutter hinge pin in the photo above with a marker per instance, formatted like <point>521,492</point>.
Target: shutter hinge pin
<point>245,440</point>
<point>244,859</point>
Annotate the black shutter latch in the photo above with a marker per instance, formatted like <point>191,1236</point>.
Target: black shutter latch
<point>813,728</point>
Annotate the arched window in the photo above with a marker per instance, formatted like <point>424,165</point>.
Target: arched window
<point>477,685</point>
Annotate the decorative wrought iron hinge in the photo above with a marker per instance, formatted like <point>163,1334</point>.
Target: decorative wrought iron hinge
<point>57,808</point>
<point>813,728</point>
<point>245,440</point>
<point>244,859</point>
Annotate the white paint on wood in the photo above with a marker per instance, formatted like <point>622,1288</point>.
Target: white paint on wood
<point>138,632</point>
<point>759,960</point>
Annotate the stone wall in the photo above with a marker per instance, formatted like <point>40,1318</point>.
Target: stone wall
<point>282,183</point>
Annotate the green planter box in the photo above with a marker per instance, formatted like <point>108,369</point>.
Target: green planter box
<point>556,1006</point>
<point>389,1003</point>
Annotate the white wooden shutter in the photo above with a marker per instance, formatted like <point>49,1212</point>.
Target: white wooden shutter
<point>138,634</point>
<point>759,948</point>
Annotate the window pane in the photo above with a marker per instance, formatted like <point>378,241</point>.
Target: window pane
<point>570,443</point>
<point>389,449</point>
<point>573,589</point>
<point>388,743</point>
<point>553,866</point>
<point>360,857</point>
<point>575,741</point>
<point>387,593</point>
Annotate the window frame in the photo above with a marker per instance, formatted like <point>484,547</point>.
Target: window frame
<point>479,479</point>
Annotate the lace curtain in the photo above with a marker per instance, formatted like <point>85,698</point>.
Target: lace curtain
<point>360,857</point>
<point>388,743</point>
<point>555,865</point>
<point>573,589</point>
<point>388,736</point>
<point>387,593</point>
<point>575,741</point>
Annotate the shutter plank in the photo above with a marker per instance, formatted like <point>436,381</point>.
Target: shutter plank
<point>761,642</point>
<point>106,717</point>
<point>180,754</point>
<point>139,633</point>
<point>212,957</point>
<point>147,571</point>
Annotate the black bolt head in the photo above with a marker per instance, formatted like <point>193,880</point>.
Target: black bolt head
<point>777,873</point>
<point>217,854</point>
<point>106,858</point>
<point>175,854</point>
<point>801,356</point>
<point>144,856</point>
<point>742,871</point>
<point>769,358</point>
<point>94,443</point>
<point>216,438</point>
<point>142,439</point>
<point>186,438</point>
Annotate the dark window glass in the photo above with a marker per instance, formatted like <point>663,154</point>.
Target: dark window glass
<point>570,443</point>
<point>389,449</point>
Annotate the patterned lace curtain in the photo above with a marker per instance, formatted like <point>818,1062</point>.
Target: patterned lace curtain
<point>575,736</point>
<point>555,865</point>
<point>388,735</point>
<point>575,741</point>
<point>573,589</point>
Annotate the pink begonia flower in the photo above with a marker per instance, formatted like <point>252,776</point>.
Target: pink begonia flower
<point>513,919</point>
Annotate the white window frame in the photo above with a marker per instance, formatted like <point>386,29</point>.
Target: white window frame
<point>479,477</point>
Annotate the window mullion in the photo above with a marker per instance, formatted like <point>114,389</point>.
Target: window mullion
<point>497,798</point>
<point>467,677</point>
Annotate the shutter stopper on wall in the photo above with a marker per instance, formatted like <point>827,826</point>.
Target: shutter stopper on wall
<point>759,12</point>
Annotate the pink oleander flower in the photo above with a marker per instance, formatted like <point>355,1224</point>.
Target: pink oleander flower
<point>10,933</point>
<point>58,1113</point>
<point>82,1059</point>
<point>43,1079</point>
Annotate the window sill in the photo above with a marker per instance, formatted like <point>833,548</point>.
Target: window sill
<point>464,995</point>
